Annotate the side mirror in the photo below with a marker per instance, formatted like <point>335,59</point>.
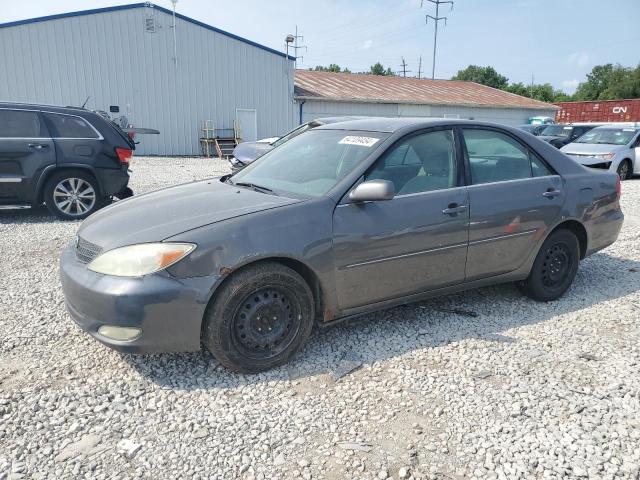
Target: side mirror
<point>372,191</point>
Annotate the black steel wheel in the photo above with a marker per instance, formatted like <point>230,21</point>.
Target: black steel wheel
<point>554,268</point>
<point>266,322</point>
<point>260,316</point>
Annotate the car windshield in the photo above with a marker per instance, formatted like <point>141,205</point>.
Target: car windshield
<point>609,136</point>
<point>557,131</point>
<point>294,133</point>
<point>310,164</point>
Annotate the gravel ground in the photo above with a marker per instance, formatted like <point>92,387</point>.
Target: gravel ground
<point>484,384</point>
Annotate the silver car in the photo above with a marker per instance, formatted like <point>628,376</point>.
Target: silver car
<point>612,148</point>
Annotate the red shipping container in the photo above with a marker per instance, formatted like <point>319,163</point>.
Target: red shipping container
<point>599,111</point>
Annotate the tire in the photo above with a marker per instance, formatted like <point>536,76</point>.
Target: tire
<point>62,187</point>
<point>236,328</point>
<point>625,170</point>
<point>554,268</point>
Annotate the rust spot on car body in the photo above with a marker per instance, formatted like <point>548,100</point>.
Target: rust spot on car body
<point>225,270</point>
<point>328,315</point>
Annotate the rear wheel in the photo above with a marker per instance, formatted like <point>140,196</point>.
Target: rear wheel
<point>554,268</point>
<point>625,170</point>
<point>260,318</point>
<point>72,195</point>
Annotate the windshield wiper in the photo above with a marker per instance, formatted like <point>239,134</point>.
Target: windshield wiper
<point>258,188</point>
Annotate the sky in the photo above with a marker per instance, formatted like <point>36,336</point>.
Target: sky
<point>555,41</point>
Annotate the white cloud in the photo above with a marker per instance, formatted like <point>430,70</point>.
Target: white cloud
<point>570,86</point>
<point>366,45</point>
<point>581,59</point>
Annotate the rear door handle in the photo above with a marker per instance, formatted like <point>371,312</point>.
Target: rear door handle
<point>38,146</point>
<point>551,193</point>
<point>454,209</point>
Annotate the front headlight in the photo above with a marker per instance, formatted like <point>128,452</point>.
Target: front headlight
<point>139,260</point>
<point>605,156</point>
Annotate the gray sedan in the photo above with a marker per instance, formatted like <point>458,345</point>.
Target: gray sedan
<point>341,220</point>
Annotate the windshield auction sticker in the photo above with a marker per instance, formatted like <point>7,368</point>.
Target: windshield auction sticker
<point>361,141</point>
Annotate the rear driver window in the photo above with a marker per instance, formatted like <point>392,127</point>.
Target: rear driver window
<point>19,124</point>
<point>67,126</point>
<point>496,157</point>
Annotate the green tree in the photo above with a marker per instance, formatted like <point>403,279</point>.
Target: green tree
<point>378,69</point>
<point>331,68</point>
<point>610,82</point>
<point>483,75</point>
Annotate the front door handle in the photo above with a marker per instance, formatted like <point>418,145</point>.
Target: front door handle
<point>551,193</point>
<point>38,146</point>
<point>454,209</point>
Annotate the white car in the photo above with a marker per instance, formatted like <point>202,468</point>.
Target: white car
<point>609,147</point>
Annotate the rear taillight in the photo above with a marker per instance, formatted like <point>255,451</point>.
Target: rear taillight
<point>124,155</point>
<point>618,188</point>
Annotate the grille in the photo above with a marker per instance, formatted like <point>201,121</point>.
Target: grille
<point>87,251</point>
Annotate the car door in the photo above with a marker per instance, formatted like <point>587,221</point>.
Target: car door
<point>514,197</point>
<point>635,145</point>
<point>25,151</point>
<point>413,243</point>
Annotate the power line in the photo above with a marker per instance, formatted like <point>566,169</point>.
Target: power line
<point>436,19</point>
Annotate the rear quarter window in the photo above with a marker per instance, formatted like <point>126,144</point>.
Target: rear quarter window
<point>69,126</point>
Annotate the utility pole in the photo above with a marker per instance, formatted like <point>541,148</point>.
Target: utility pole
<point>404,68</point>
<point>436,19</point>
<point>420,67</point>
<point>531,89</point>
<point>297,47</point>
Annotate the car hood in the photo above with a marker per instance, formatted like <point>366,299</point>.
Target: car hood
<point>247,152</point>
<point>156,216</point>
<point>589,148</point>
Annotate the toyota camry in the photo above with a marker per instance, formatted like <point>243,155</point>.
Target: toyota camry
<point>341,220</point>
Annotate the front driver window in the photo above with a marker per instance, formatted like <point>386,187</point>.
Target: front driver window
<point>420,163</point>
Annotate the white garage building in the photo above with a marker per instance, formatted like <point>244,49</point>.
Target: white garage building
<point>132,58</point>
<point>326,94</point>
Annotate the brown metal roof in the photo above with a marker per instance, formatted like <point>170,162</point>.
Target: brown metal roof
<point>349,87</point>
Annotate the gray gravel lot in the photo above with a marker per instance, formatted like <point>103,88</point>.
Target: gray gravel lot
<point>522,390</point>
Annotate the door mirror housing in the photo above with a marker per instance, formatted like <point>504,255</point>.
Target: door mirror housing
<point>373,191</point>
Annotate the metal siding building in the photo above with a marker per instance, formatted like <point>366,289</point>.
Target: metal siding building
<point>325,94</point>
<point>124,56</point>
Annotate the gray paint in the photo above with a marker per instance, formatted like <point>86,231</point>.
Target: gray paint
<point>110,57</point>
<point>362,256</point>
<point>506,116</point>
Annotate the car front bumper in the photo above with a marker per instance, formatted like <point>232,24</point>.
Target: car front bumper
<point>168,310</point>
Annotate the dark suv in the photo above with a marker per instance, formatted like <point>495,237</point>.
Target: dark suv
<point>72,159</point>
<point>560,135</point>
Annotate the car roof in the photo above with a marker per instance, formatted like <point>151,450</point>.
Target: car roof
<point>42,106</point>
<point>328,120</point>
<point>618,127</point>
<point>394,124</point>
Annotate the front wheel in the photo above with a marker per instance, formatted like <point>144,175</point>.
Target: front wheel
<point>259,318</point>
<point>72,195</point>
<point>554,268</point>
<point>625,170</point>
